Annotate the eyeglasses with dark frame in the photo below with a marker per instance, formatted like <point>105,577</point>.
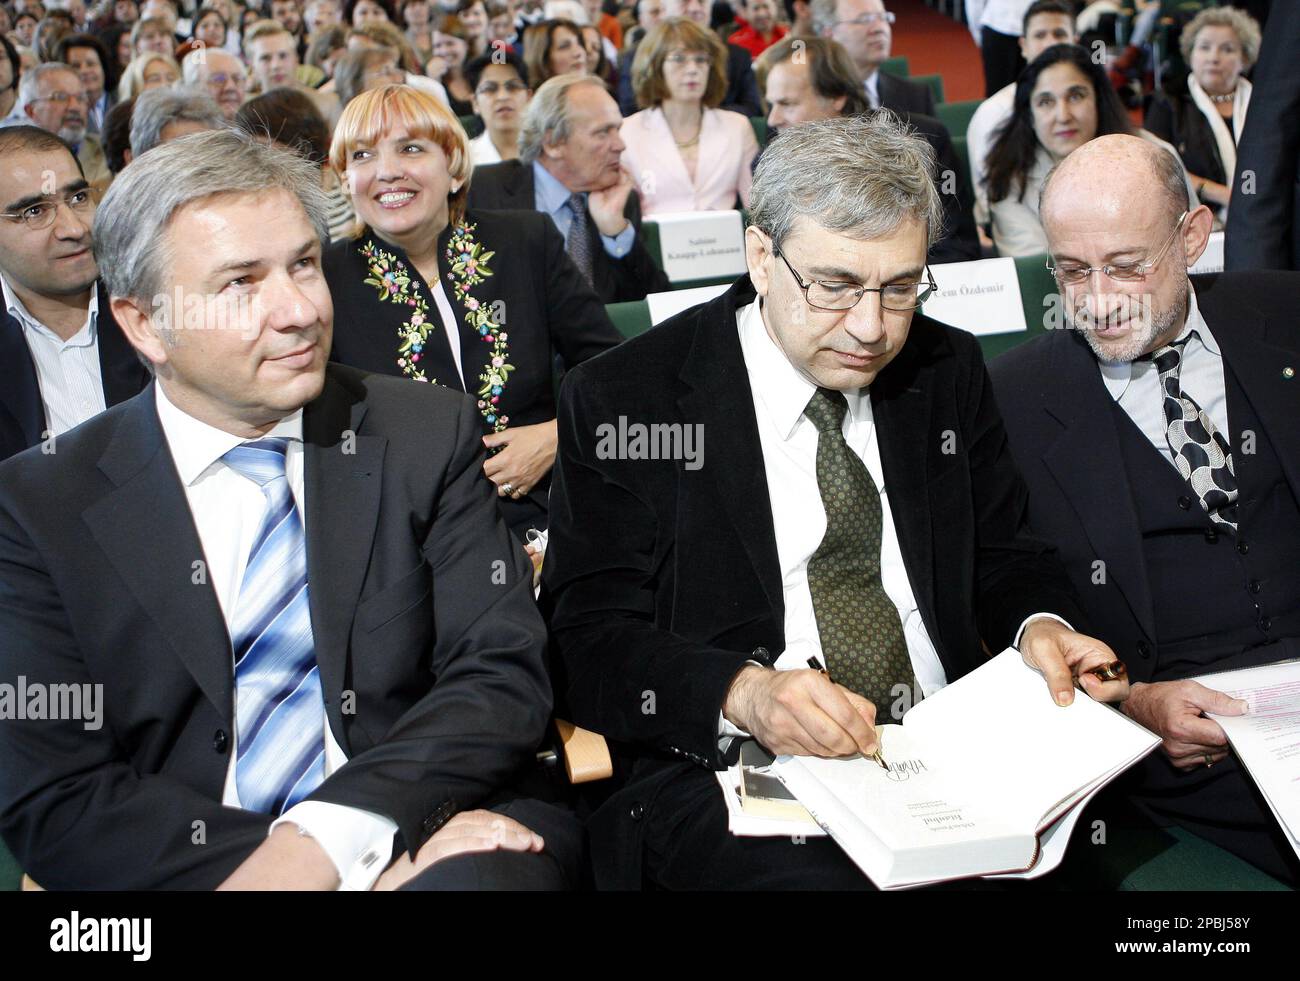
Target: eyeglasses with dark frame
<point>1122,272</point>
<point>41,213</point>
<point>897,297</point>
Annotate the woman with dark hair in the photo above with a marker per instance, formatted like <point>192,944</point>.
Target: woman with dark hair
<point>25,27</point>
<point>288,118</point>
<point>89,58</point>
<point>597,63</point>
<point>210,27</point>
<point>1063,100</point>
<point>474,18</point>
<point>478,301</point>
<point>358,13</point>
<point>450,52</point>
<point>417,15</point>
<point>553,47</point>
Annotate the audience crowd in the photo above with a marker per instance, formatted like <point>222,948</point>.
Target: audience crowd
<point>453,192</point>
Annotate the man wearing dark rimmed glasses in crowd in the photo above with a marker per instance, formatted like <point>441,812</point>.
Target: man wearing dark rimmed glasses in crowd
<point>52,97</point>
<point>1159,439</point>
<point>63,358</point>
<point>851,503</point>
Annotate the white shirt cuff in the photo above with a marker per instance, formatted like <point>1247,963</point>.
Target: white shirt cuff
<point>359,843</point>
<point>1030,619</point>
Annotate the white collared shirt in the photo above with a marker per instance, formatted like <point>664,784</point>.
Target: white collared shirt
<point>483,151</point>
<point>227,509</point>
<point>872,88</point>
<point>1136,385</point>
<point>789,444</point>
<point>68,372</point>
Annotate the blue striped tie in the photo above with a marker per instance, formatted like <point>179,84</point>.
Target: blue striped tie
<point>279,706</point>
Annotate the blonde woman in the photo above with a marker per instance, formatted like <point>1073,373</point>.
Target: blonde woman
<point>150,70</point>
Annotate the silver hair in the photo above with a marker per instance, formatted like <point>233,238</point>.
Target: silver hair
<point>1167,174</point>
<point>823,15</point>
<point>546,120</point>
<point>859,175</point>
<point>1239,22</point>
<point>29,88</point>
<point>131,223</point>
<point>194,67</point>
<point>156,108</point>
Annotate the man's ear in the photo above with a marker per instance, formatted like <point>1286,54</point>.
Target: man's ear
<point>1196,233</point>
<point>758,252</point>
<point>1021,41</point>
<point>139,328</point>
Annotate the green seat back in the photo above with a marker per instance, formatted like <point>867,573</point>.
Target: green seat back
<point>895,66</point>
<point>934,81</point>
<point>957,115</point>
<point>631,318</point>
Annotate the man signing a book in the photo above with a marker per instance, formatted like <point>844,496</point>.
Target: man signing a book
<point>850,505</point>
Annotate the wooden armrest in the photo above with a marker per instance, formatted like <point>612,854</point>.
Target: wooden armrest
<point>586,754</point>
<point>29,884</point>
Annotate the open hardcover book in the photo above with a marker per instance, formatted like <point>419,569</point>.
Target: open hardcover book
<point>980,774</point>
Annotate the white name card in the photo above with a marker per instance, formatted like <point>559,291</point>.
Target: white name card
<point>670,304</point>
<point>701,244</point>
<point>1211,260</point>
<point>981,296</point>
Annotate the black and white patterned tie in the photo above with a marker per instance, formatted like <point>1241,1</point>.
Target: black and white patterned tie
<point>862,637</point>
<point>579,244</point>
<point>1201,453</point>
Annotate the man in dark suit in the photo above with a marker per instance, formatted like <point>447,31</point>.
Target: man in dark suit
<point>1160,446</point>
<point>569,151</point>
<point>1264,220</point>
<point>742,88</point>
<point>829,484</point>
<point>820,84</point>
<point>64,357</point>
<point>863,28</point>
<point>303,643</point>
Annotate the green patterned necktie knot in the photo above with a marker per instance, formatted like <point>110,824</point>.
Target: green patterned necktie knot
<point>826,410</point>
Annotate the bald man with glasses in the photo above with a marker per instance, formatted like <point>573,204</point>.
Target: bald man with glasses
<point>1157,433</point>
<point>64,357</point>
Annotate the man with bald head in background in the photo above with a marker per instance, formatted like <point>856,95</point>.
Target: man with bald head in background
<point>1158,439</point>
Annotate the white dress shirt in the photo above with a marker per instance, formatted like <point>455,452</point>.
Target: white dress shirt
<point>68,372</point>
<point>1004,16</point>
<point>872,87</point>
<point>1136,385</point>
<point>789,444</point>
<point>227,509</point>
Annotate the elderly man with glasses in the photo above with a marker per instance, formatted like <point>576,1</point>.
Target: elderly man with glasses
<point>1158,437</point>
<point>53,97</point>
<point>864,28</point>
<point>838,494</point>
<point>64,357</point>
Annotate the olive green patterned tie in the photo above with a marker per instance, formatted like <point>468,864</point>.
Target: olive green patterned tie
<point>862,637</point>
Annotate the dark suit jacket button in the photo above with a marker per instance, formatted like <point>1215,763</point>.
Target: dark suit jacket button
<point>220,741</point>
<point>1254,586</point>
<point>1144,649</point>
<point>762,654</point>
<point>637,811</point>
<point>1185,502</point>
<point>1243,547</point>
<point>1211,536</point>
<point>1265,624</point>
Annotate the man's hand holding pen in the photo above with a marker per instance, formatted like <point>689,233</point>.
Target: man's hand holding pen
<point>1065,658</point>
<point>801,713</point>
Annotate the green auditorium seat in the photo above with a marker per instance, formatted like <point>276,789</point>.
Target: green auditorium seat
<point>760,128</point>
<point>1037,290</point>
<point>957,115</point>
<point>959,147</point>
<point>472,125</point>
<point>631,319</point>
<point>895,66</point>
<point>934,81</point>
